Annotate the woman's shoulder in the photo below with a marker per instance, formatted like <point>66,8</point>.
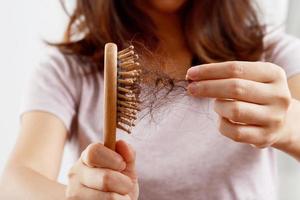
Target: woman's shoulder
<point>57,63</point>
<point>283,50</point>
<point>279,39</point>
<point>54,86</point>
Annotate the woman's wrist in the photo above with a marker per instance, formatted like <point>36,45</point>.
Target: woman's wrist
<point>289,142</point>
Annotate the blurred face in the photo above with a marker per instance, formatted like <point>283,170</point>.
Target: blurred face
<point>163,6</point>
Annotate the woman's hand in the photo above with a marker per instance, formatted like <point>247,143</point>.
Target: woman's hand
<point>104,174</point>
<point>252,99</point>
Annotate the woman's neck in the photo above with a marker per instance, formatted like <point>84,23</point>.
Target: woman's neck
<point>172,43</point>
<point>172,47</point>
<point>168,29</point>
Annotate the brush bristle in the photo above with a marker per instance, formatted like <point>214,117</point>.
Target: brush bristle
<point>128,89</point>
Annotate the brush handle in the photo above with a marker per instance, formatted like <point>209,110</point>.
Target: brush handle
<point>110,94</point>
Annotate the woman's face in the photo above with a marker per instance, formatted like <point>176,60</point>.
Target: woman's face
<point>164,6</point>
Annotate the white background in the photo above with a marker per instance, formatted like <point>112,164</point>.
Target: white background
<point>23,25</point>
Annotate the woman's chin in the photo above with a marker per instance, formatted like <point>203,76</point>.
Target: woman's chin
<point>167,6</point>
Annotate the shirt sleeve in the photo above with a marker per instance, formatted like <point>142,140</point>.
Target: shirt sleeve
<point>53,87</point>
<point>285,52</point>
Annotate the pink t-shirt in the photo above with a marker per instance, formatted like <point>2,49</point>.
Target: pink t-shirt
<point>181,155</point>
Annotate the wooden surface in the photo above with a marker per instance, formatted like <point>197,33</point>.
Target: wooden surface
<point>110,95</point>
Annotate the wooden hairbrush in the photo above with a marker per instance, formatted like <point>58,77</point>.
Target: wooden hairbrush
<point>121,91</point>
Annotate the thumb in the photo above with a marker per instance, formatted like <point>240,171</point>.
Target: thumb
<point>128,154</point>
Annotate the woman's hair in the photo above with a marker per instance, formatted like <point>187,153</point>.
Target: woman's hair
<point>215,30</point>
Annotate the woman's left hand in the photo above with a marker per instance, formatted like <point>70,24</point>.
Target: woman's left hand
<point>252,99</point>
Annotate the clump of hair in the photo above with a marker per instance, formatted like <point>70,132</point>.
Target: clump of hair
<point>157,87</point>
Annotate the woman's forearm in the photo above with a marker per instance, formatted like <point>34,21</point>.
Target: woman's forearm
<point>290,143</point>
<point>25,183</point>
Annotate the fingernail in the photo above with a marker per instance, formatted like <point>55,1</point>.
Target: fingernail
<point>192,88</point>
<point>123,166</point>
<point>186,77</point>
<point>192,73</point>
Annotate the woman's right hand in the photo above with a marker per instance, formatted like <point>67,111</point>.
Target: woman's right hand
<point>102,174</point>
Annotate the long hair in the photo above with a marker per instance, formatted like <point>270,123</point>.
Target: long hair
<point>215,30</point>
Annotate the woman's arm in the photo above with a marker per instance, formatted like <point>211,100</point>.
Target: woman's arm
<point>34,164</point>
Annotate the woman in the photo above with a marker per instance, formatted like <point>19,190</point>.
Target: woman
<point>248,81</point>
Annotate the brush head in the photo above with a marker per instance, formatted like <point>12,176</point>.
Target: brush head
<point>128,88</point>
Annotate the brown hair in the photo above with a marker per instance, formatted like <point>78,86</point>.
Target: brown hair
<point>215,30</point>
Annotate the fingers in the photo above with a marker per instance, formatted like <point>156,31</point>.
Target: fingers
<point>255,98</point>
<point>81,192</point>
<point>128,154</point>
<point>255,71</point>
<point>101,173</point>
<point>105,180</point>
<point>243,90</point>
<point>97,155</point>
<point>255,135</point>
<point>243,112</point>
